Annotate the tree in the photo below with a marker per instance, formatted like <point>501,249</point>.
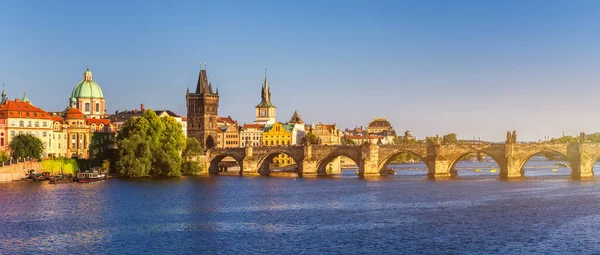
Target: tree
<point>193,148</point>
<point>135,156</point>
<point>26,146</point>
<point>154,143</point>
<point>348,141</point>
<point>4,156</point>
<point>310,138</point>
<point>450,139</point>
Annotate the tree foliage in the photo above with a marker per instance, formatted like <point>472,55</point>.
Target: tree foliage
<point>310,138</point>
<point>150,146</point>
<point>347,141</point>
<point>26,146</point>
<point>190,154</point>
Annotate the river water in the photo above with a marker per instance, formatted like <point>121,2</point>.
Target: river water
<point>406,213</point>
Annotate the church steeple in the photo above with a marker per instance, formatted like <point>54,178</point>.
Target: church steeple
<point>3,93</point>
<point>265,94</point>
<point>202,85</point>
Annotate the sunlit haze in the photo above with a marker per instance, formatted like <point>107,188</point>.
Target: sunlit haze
<point>476,68</point>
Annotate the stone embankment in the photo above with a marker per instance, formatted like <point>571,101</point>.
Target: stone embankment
<point>17,170</point>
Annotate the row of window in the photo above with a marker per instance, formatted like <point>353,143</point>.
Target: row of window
<point>13,123</point>
<point>267,143</point>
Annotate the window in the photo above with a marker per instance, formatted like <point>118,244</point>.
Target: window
<point>21,123</point>
<point>87,107</point>
<point>44,124</point>
<point>12,123</point>
<point>97,107</point>
<point>12,133</point>
<point>44,134</point>
<point>29,124</point>
<point>37,133</point>
<point>37,124</point>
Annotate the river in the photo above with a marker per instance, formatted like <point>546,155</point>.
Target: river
<point>406,213</point>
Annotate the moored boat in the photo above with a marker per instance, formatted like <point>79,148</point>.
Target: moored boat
<point>90,176</point>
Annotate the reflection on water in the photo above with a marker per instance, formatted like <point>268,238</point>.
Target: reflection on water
<point>405,213</point>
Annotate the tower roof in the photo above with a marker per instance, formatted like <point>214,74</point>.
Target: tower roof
<point>25,99</point>
<point>296,118</point>
<point>87,88</point>
<point>266,94</point>
<point>203,86</point>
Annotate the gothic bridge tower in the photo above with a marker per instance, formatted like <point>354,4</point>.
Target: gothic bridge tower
<point>202,111</point>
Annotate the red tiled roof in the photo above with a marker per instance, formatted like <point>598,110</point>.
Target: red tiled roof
<point>97,121</point>
<point>183,118</point>
<point>18,109</point>
<point>74,113</point>
<point>228,120</point>
<point>257,126</point>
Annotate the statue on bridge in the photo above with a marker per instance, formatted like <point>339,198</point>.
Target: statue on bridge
<point>511,138</point>
<point>581,137</point>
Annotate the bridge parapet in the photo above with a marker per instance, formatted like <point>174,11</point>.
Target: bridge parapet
<point>440,159</point>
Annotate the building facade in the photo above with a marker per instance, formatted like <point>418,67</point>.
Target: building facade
<point>251,135</point>
<point>202,112</point>
<point>298,128</point>
<point>278,134</point>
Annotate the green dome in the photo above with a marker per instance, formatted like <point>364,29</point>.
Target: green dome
<point>87,88</point>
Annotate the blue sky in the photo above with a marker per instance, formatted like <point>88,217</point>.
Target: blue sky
<point>476,68</point>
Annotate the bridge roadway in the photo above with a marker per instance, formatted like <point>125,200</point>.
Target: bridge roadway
<point>440,159</point>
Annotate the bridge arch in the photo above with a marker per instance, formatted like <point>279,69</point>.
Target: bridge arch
<point>289,158</point>
<point>352,155</point>
<point>386,160</point>
<point>214,167</point>
<point>532,154</point>
<point>500,162</point>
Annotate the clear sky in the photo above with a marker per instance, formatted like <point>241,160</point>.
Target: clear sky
<point>476,68</point>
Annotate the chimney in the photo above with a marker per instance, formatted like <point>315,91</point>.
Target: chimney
<point>142,108</point>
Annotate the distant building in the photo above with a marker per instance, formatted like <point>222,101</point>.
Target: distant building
<point>251,135</point>
<point>408,136</point>
<point>381,128</point>
<point>278,134</point>
<point>327,134</point>
<point>298,128</point>
<point>119,118</point>
<point>228,133</point>
<point>265,110</point>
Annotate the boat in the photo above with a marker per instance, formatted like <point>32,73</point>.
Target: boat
<point>477,170</point>
<point>554,170</point>
<point>90,176</point>
<point>389,171</point>
<point>493,170</point>
<point>60,179</point>
<point>561,164</point>
<point>40,177</point>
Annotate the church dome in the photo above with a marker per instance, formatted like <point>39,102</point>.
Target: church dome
<point>87,88</point>
<point>380,123</point>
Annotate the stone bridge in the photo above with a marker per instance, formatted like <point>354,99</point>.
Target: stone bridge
<point>441,160</point>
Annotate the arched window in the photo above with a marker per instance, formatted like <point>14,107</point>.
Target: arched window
<point>87,107</point>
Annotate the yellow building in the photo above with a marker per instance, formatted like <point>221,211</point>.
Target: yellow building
<point>278,134</point>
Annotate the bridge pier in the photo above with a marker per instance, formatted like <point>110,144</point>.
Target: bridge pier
<point>308,167</point>
<point>369,165</point>
<point>439,169</point>
<point>582,165</point>
<point>249,166</point>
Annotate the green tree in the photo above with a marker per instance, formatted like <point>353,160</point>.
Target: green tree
<point>4,156</point>
<point>310,138</point>
<point>26,146</point>
<point>154,143</point>
<point>193,148</point>
<point>347,141</point>
<point>564,139</point>
<point>450,139</point>
<point>135,156</point>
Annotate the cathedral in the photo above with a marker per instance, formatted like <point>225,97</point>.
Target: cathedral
<point>202,112</point>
